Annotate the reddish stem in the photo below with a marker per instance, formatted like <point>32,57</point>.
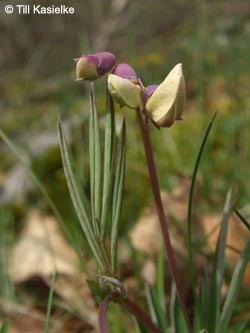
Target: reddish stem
<point>140,315</point>
<point>102,312</point>
<point>161,214</point>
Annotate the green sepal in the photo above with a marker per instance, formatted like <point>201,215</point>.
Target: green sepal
<point>94,287</point>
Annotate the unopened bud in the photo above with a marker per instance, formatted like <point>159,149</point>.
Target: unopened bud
<point>148,91</point>
<point>125,87</point>
<point>92,66</point>
<point>125,71</point>
<point>124,91</point>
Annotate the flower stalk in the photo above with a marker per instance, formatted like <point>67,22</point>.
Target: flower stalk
<point>144,128</point>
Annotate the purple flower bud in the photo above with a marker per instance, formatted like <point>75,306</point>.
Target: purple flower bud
<point>148,91</point>
<point>125,71</point>
<point>107,62</point>
<point>92,66</point>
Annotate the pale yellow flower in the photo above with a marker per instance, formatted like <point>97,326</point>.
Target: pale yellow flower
<point>167,102</point>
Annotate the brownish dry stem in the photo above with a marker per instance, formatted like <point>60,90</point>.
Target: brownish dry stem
<point>144,127</point>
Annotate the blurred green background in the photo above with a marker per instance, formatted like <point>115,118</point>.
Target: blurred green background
<point>212,41</point>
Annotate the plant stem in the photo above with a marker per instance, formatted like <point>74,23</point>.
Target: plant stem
<point>140,315</point>
<point>161,215</point>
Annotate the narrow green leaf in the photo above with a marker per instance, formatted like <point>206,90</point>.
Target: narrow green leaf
<point>212,313</point>
<point>35,179</point>
<point>245,325</point>
<point>160,275</point>
<point>172,309</point>
<point>234,288</point>
<point>45,194</point>
<point>95,162</point>
<point>177,320</point>
<point>218,268</point>
<point>206,238</point>
<point>7,235</point>
<point>117,193</point>
<point>202,304</point>
<point>233,249</point>
<point>158,314</point>
<point>190,204</point>
<point>41,188</point>
<point>75,194</point>
<point>49,305</point>
<point>5,327</point>
<point>243,220</point>
<point>108,153</point>
<point>221,247</point>
<point>197,320</point>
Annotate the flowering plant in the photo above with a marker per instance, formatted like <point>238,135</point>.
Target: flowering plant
<point>160,105</point>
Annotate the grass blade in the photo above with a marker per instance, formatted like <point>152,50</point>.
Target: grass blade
<point>117,193</point>
<point>5,327</point>
<point>201,305</point>
<point>155,305</point>
<point>95,162</point>
<point>49,306</point>
<point>40,186</point>
<point>75,194</point>
<point>218,269</point>
<point>190,203</point>
<point>221,247</point>
<point>243,220</point>
<point>234,288</point>
<point>178,323</point>
<point>108,153</point>
<point>6,238</point>
<point>245,326</point>
<point>160,275</point>
<point>32,174</point>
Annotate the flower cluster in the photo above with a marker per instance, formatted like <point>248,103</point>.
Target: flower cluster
<point>163,103</point>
